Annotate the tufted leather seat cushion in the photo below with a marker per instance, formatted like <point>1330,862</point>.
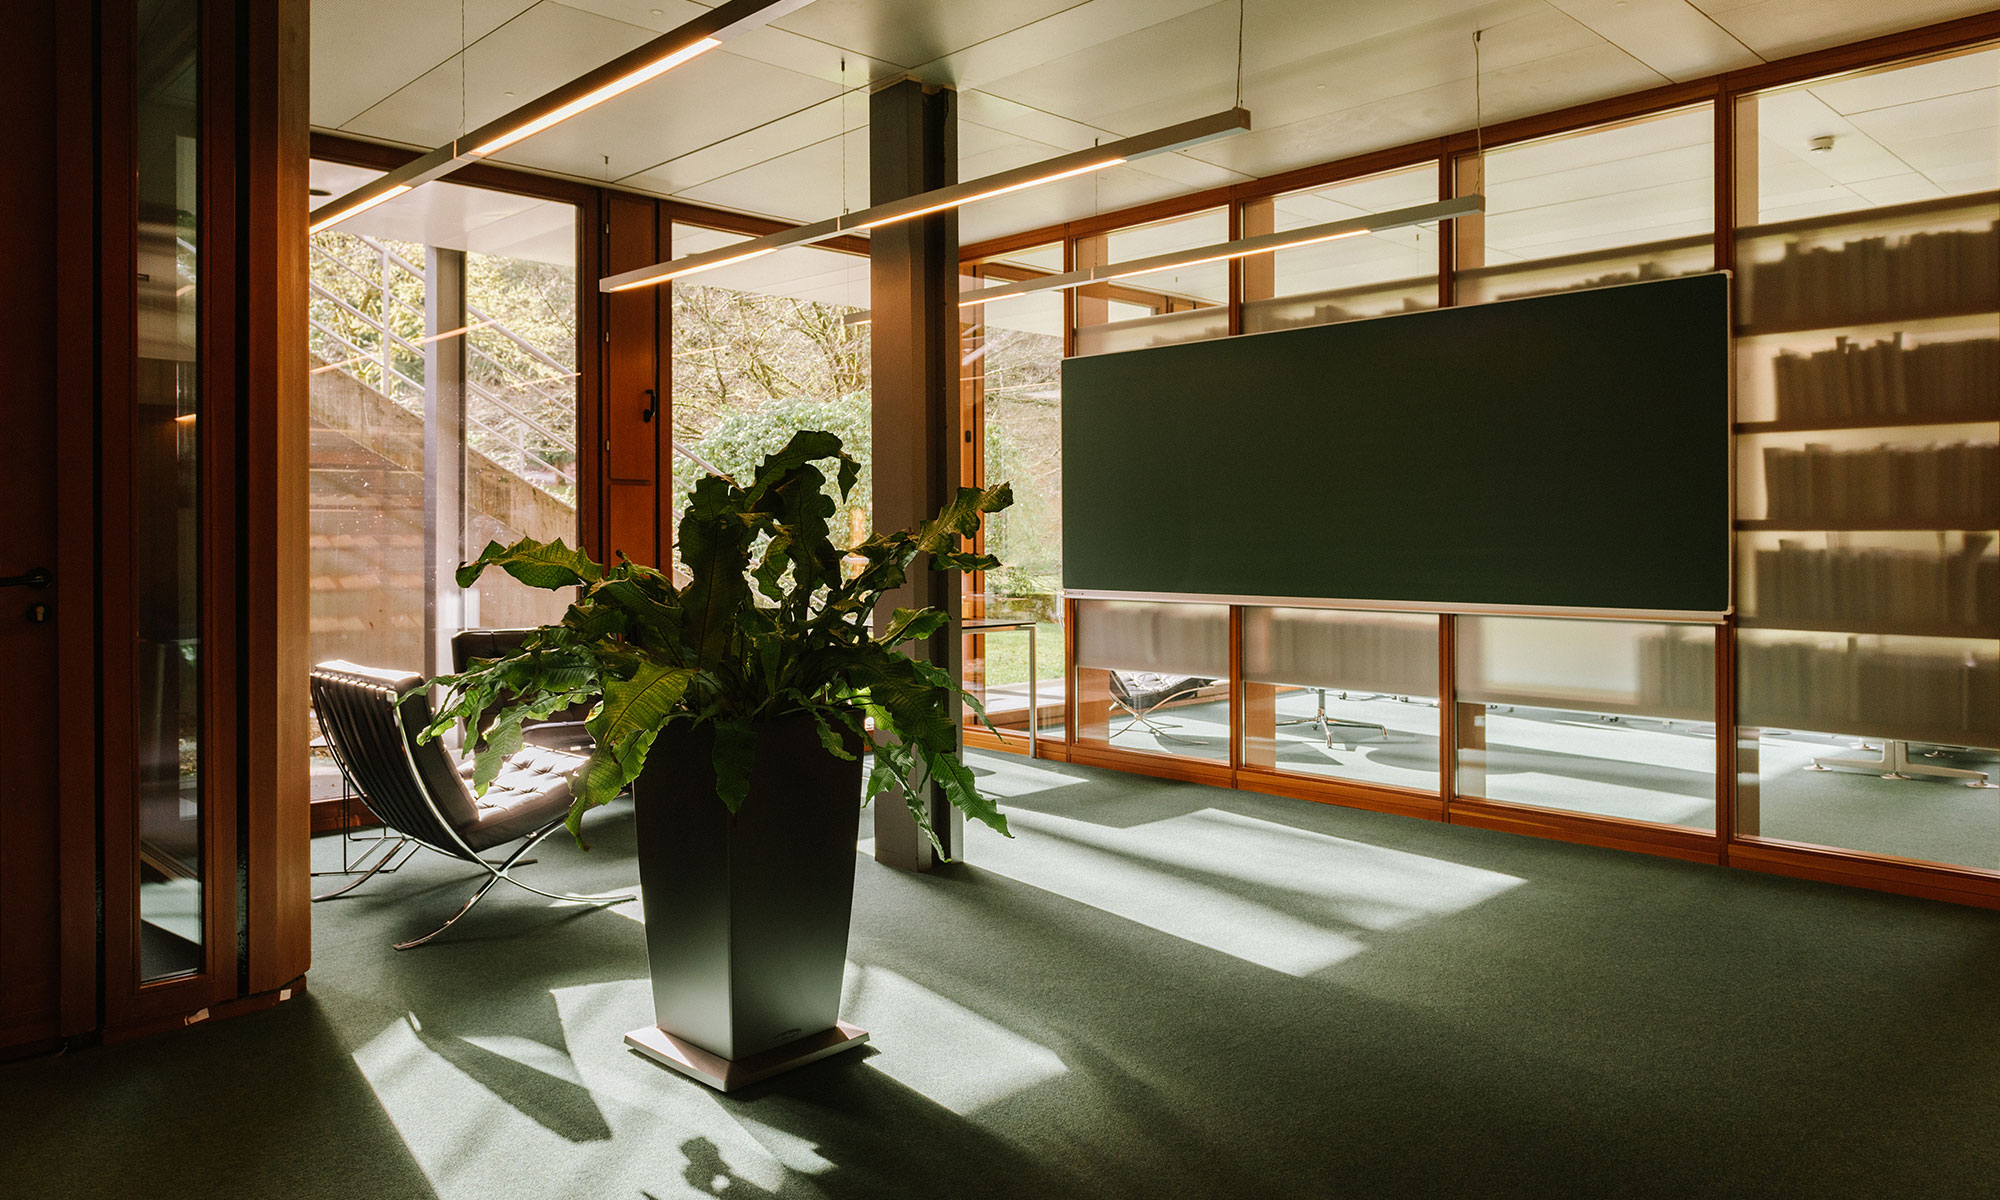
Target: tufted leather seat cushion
<point>531,790</point>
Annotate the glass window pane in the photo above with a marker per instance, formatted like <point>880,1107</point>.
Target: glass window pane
<point>1616,204</point>
<point>1157,308</point>
<point>1868,470</point>
<point>1154,677</point>
<point>166,516</point>
<point>443,349</point>
<point>1388,272</point>
<point>1012,380</point>
<point>1611,718</point>
<point>763,349</point>
<point>1349,695</point>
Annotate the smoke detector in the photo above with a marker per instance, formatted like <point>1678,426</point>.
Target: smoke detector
<point>1821,144</point>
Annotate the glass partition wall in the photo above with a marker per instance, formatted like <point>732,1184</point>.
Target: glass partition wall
<point>1868,462</point>
<point>1860,213</point>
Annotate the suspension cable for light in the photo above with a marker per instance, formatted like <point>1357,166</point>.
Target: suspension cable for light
<point>1082,162</point>
<point>588,90</point>
<point>1263,243</point>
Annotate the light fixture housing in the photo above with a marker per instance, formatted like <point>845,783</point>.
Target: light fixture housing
<point>1160,141</point>
<point>586,91</point>
<point>1263,243</point>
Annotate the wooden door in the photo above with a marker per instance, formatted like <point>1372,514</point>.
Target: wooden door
<point>30,616</point>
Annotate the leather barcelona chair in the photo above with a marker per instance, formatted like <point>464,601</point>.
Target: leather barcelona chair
<point>371,718</point>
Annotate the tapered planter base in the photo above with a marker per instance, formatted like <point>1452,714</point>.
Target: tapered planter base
<point>725,1075</point>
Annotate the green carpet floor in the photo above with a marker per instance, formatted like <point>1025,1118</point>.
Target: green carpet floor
<point>1154,990</point>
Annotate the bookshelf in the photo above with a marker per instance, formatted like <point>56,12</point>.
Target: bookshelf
<point>1868,474</point>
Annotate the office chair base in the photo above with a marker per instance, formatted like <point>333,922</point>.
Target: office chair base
<point>727,1075</point>
<point>1895,763</point>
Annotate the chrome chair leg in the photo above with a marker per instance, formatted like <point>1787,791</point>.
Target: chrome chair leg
<point>497,873</point>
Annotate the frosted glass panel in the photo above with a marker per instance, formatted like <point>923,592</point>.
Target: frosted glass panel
<point>1163,330</point>
<point>1346,695</point>
<point>1187,639</point>
<point>1154,677</point>
<point>1611,718</point>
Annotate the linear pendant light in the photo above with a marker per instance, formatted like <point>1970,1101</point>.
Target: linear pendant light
<point>1082,162</point>
<point>588,90</point>
<point>1263,243</point>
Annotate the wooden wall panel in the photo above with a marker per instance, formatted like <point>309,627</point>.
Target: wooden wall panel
<point>275,707</point>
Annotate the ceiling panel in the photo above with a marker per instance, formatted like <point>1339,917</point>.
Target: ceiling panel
<point>1590,73</point>
<point>354,66</point>
<point>816,124</point>
<point>769,44</point>
<point>803,185</point>
<point>541,49</point>
<point>1777,28</point>
<point>910,32</point>
<point>1075,28</point>
<point>1672,37</point>
<point>674,115</point>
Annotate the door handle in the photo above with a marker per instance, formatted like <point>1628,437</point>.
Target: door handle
<point>652,408</point>
<point>37,577</point>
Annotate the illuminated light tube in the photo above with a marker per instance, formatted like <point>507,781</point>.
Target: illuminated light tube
<point>587,90</point>
<point>941,205</point>
<point>723,260</point>
<point>361,206</point>
<point>1183,136</point>
<point>1263,243</point>
<point>616,87</point>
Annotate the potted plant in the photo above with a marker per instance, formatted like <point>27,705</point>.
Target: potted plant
<point>736,705</point>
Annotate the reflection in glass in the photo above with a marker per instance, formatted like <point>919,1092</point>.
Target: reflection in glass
<point>1348,695</point>
<point>167,495</point>
<point>1392,271</point>
<point>1611,718</point>
<point>1153,677</point>
<point>1158,308</point>
<point>1615,204</point>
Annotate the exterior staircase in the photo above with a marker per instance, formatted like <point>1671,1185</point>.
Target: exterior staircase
<point>367,525</point>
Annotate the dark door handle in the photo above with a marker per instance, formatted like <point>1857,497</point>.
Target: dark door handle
<point>652,408</point>
<point>37,577</point>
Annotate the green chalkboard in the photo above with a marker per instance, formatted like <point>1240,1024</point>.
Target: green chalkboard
<point>1566,450</point>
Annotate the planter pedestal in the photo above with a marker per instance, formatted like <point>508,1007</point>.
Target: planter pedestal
<point>726,1075</point>
<point>746,912</point>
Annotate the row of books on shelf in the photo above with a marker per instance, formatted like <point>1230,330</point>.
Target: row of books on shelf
<point>1645,272</point>
<point>1880,587</point>
<point>1677,669</point>
<point>1949,484</point>
<point>1875,277</point>
<point>1932,694</point>
<point>1888,380</point>
<point>1328,314</point>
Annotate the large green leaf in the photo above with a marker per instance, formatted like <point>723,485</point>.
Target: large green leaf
<point>546,565</point>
